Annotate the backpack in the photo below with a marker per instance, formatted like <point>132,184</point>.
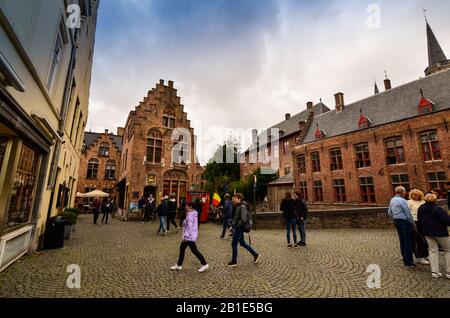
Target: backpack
<point>247,225</point>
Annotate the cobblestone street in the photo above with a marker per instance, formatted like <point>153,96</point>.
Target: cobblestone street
<point>129,260</point>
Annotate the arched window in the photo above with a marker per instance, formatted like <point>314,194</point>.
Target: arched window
<point>92,169</point>
<point>110,170</point>
<point>103,151</point>
<point>154,146</point>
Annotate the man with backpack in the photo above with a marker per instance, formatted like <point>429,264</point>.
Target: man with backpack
<point>241,224</point>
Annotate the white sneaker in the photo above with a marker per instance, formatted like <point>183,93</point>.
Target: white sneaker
<point>176,268</point>
<point>436,275</point>
<point>423,261</point>
<point>447,276</point>
<point>203,268</point>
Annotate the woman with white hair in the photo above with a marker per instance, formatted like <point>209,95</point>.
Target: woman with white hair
<point>421,247</point>
<point>434,222</point>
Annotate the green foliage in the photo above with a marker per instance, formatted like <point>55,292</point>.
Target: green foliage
<point>73,210</point>
<point>69,217</point>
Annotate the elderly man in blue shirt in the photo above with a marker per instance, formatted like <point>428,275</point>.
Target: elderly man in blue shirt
<point>404,222</point>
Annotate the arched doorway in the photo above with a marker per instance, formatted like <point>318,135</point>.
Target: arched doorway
<point>175,182</point>
<point>150,189</point>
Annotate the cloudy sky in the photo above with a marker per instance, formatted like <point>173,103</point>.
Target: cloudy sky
<point>245,63</point>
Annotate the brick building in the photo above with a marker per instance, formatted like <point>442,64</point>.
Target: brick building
<point>291,132</point>
<point>158,149</point>
<point>357,153</point>
<point>100,162</point>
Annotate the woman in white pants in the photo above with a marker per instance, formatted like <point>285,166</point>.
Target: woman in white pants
<point>433,221</point>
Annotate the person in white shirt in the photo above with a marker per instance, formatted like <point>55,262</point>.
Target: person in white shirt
<point>414,203</point>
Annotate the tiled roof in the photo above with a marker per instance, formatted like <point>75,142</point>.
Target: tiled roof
<point>91,137</point>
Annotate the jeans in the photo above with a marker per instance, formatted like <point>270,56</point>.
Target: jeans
<point>238,237</point>
<point>171,219</point>
<point>291,223</point>
<point>194,250</point>
<point>301,228</point>
<point>225,224</point>
<point>162,224</point>
<point>404,229</point>
<point>444,242</point>
<point>105,215</point>
<point>96,215</point>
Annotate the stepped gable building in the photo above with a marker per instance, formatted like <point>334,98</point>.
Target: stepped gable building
<point>158,149</point>
<point>291,133</point>
<point>100,162</point>
<point>358,153</point>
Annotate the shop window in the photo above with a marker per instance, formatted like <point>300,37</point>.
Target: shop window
<point>22,194</point>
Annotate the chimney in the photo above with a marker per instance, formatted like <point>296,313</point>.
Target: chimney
<point>161,82</point>
<point>171,84</point>
<point>120,131</point>
<point>106,131</point>
<point>254,136</point>
<point>387,84</point>
<point>288,116</point>
<point>339,98</point>
<point>309,105</point>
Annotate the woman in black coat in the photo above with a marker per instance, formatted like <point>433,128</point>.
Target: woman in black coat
<point>433,222</point>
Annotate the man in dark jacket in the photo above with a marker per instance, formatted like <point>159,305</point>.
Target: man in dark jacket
<point>227,210</point>
<point>241,217</point>
<point>287,206</point>
<point>301,210</point>
<point>142,205</point>
<point>172,213</point>
<point>433,222</point>
<point>162,210</point>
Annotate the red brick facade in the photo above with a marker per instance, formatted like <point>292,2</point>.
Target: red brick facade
<point>148,144</point>
<point>414,166</point>
<point>100,162</point>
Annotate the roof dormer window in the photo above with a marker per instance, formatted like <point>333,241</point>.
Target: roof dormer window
<point>426,106</point>
<point>364,121</point>
<point>320,133</point>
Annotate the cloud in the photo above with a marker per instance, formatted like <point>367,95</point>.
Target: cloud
<point>245,63</point>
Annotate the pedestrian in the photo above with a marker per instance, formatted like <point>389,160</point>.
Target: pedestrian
<point>142,204</point>
<point>242,216</point>
<point>434,221</point>
<point>404,222</point>
<point>199,208</point>
<point>162,213</point>
<point>420,245</point>
<point>172,213</point>
<point>182,210</point>
<point>96,206</point>
<point>287,206</point>
<point>301,210</point>
<point>189,237</point>
<point>151,207</point>
<point>106,208</point>
<point>226,215</point>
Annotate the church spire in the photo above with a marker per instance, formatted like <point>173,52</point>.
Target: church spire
<point>437,60</point>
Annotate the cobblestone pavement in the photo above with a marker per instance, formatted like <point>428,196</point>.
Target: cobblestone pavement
<point>127,259</point>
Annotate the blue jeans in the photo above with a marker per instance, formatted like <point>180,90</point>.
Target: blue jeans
<point>225,224</point>
<point>301,228</point>
<point>238,237</point>
<point>404,229</point>
<point>291,223</point>
<point>162,224</point>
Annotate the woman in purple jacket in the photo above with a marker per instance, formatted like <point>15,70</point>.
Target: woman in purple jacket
<point>190,234</point>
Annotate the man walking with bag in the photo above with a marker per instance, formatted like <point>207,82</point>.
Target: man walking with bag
<point>241,223</point>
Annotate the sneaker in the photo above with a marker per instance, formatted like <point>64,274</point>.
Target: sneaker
<point>295,245</point>
<point>222,238</point>
<point>289,245</point>
<point>165,233</point>
<point>302,244</point>
<point>412,267</point>
<point>437,275</point>
<point>447,276</point>
<point>203,268</point>
<point>256,259</point>
<point>423,261</point>
<point>231,264</point>
<point>176,268</point>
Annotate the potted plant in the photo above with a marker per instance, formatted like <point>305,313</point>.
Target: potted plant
<point>75,211</point>
<point>71,219</point>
